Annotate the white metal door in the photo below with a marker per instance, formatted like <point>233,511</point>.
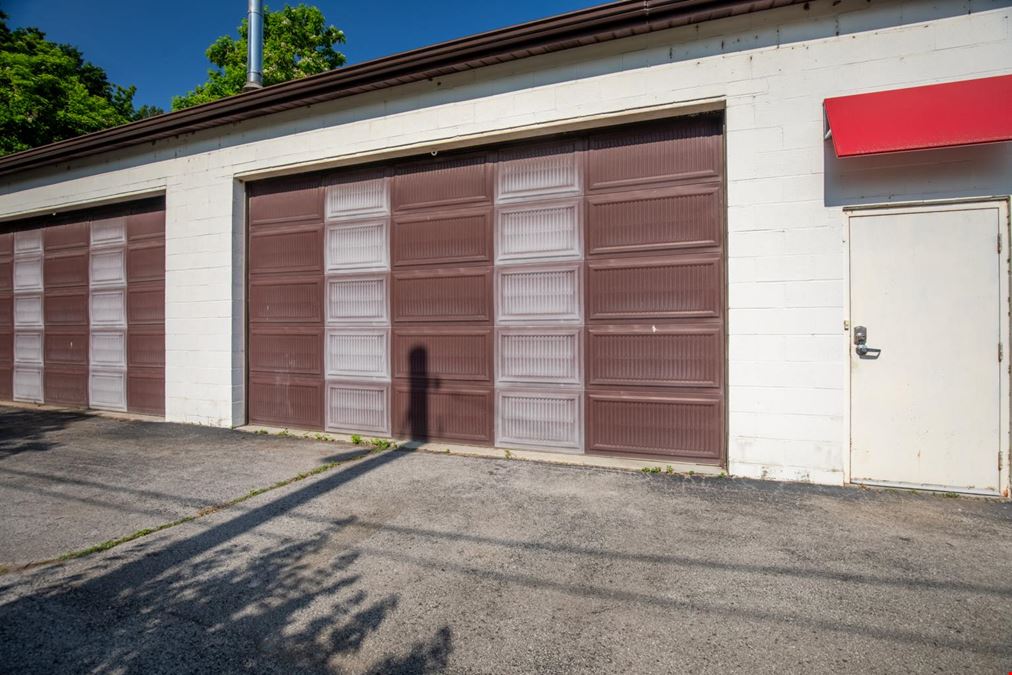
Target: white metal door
<point>926,396</point>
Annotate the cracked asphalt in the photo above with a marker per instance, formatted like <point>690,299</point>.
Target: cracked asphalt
<point>416,562</point>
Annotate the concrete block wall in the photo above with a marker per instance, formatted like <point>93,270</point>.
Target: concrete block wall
<point>786,191</point>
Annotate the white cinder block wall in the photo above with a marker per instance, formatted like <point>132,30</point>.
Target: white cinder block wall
<point>786,191</point>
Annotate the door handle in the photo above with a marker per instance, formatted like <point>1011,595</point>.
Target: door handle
<point>861,344</point>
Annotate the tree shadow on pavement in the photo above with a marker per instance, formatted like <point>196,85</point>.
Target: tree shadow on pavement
<point>23,430</point>
<point>251,593</point>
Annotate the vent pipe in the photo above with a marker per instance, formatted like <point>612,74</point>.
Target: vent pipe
<point>255,46</point>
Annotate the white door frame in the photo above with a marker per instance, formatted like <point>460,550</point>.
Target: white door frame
<point>1002,203</point>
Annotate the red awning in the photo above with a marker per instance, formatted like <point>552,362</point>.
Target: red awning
<point>918,118</point>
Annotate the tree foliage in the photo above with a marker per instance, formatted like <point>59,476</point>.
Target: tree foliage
<point>297,42</point>
<point>48,92</point>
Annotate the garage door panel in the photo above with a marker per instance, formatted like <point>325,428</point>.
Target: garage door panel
<point>461,294</point>
<point>532,171</point>
<point>6,275</point>
<point>286,300</point>
<point>443,354</point>
<point>66,346</point>
<point>357,407</point>
<point>108,232</point>
<point>146,390</point>
<point>6,311</point>
<point>291,200</point>
<point>443,182</point>
<point>145,261</point>
<point>286,249</point>
<point>6,383</point>
<point>145,347</point>
<point>71,235</point>
<point>689,150</point>
<point>66,269</point>
<point>654,220</point>
<point>146,303</point>
<point>670,287</point>
<point>655,355</point>
<point>655,424</point>
<point>286,400</point>
<point>450,412</point>
<point>357,194</point>
<point>442,237</point>
<point>66,385</point>
<point>146,225</point>
<point>66,307</point>
<point>286,349</point>
<point>6,244</point>
<point>6,348</point>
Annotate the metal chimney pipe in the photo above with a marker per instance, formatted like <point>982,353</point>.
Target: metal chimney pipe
<point>255,46</point>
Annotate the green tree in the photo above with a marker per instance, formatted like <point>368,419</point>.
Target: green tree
<point>297,42</point>
<point>48,92</point>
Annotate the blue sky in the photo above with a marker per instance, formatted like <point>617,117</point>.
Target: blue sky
<point>159,46</point>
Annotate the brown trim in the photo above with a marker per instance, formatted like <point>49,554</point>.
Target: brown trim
<point>602,23</point>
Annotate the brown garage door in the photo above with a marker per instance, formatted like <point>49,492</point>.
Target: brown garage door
<point>82,309</point>
<point>564,294</point>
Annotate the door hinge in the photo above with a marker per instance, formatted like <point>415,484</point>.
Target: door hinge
<point>1001,352</point>
<point>999,242</point>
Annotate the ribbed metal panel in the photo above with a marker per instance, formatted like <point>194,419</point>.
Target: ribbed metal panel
<point>28,385</point>
<point>108,349</point>
<point>443,295</point>
<point>289,249</point>
<point>108,268</point>
<point>358,244</point>
<point>358,353</point>
<point>66,346</point>
<point>288,200</point>
<point>540,419</point>
<point>357,299</point>
<point>29,348</point>
<point>442,237</point>
<point>107,389</point>
<point>108,308</point>
<point>146,262</point>
<point>67,307</point>
<point>449,412</point>
<point>550,355</point>
<point>286,349</point>
<point>549,293</point>
<point>69,235</point>
<point>352,196</point>
<point>108,232</point>
<point>689,149</point>
<point>28,273</point>
<point>287,300</point>
<point>665,355</point>
<point>532,171</point>
<point>28,311</point>
<point>146,346</point>
<point>641,288</point>
<point>538,230</point>
<point>443,182</point>
<point>286,400</point>
<point>356,407</point>
<point>655,424</point>
<point>65,385</point>
<point>443,353</point>
<point>654,220</point>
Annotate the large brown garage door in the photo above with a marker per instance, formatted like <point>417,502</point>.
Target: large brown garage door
<point>82,298</point>
<point>566,294</point>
